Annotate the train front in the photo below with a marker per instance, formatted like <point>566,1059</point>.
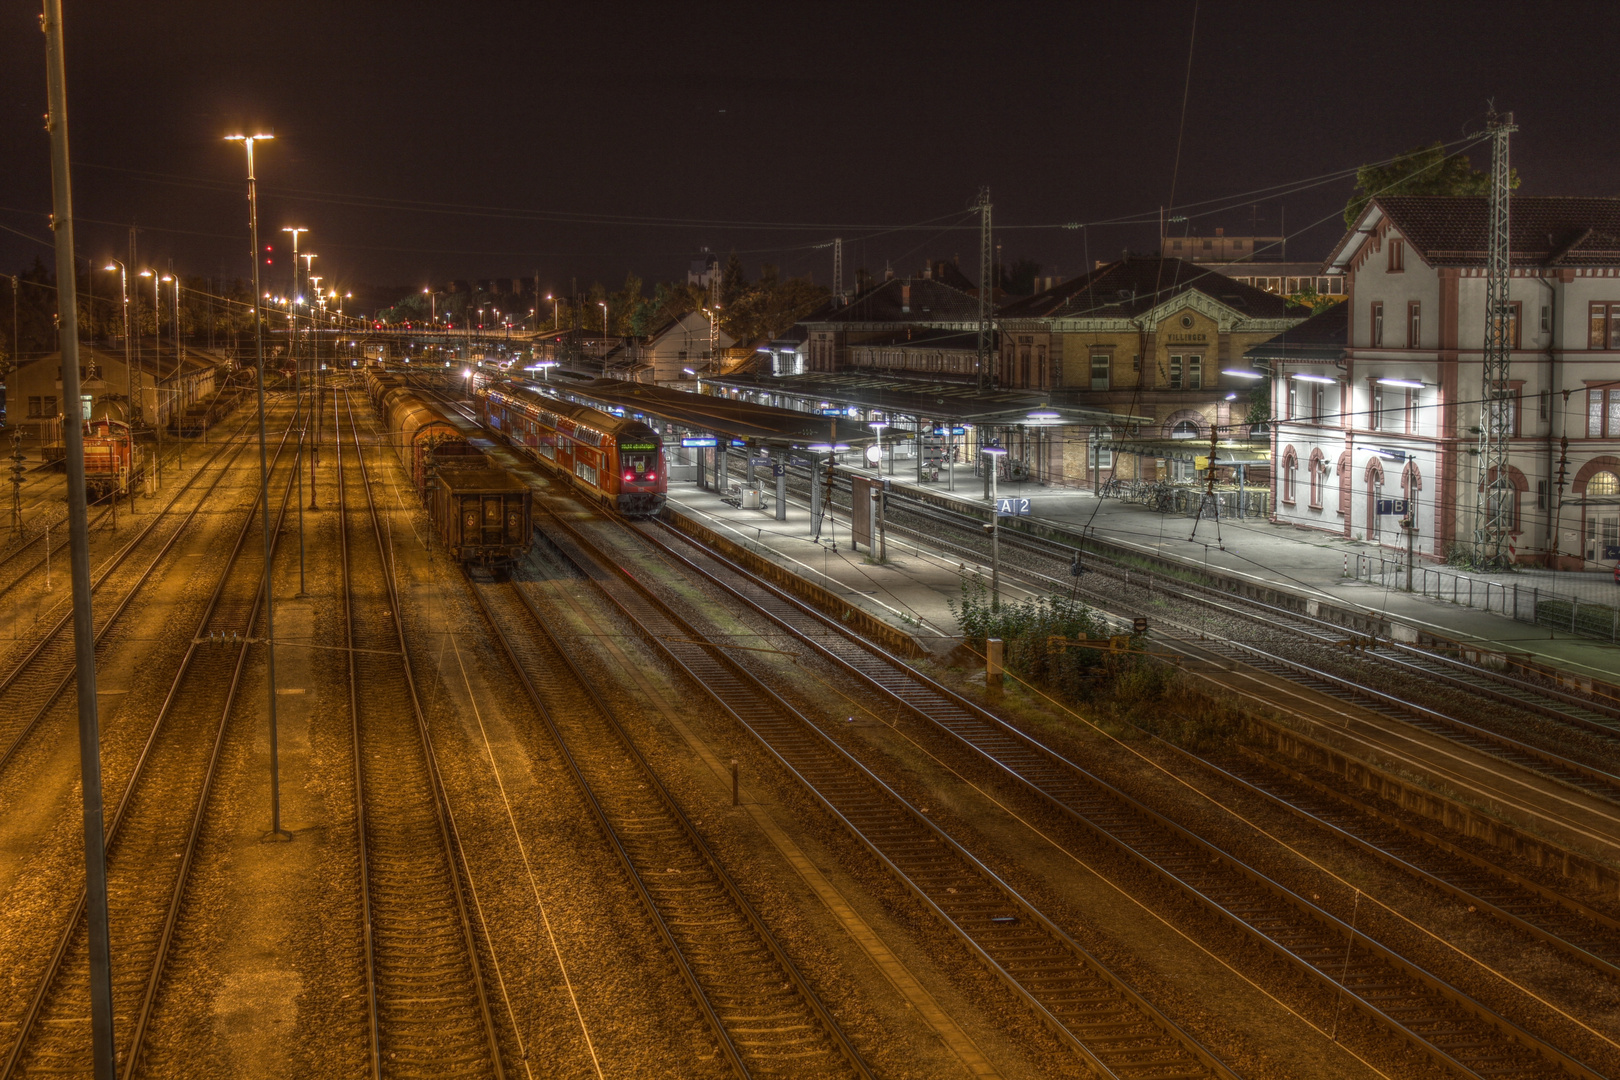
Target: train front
<point>642,477</point>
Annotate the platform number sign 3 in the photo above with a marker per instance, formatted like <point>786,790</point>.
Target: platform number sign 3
<point>1012,507</point>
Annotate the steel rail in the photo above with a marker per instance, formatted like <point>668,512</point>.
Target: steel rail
<point>449,839</point>
<point>1014,940</point>
<point>1460,672</point>
<point>1549,765</point>
<point>48,700</point>
<point>559,658</point>
<point>1451,670</point>
<point>117,819</point>
<point>1050,775</point>
<point>1524,909</point>
<point>116,561</point>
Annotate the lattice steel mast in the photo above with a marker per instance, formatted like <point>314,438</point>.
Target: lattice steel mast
<point>1496,486</point>
<point>838,268</point>
<point>986,287</point>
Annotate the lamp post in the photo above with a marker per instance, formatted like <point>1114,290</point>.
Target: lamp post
<point>179,374</point>
<point>129,361</point>
<point>556,312</point>
<point>276,830</point>
<point>292,326</point>
<point>994,528</point>
<point>98,945</point>
<point>877,462</point>
<point>157,374</point>
<point>433,306</point>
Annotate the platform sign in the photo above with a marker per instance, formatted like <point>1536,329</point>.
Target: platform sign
<point>832,412</point>
<point>699,440</point>
<point>776,468</point>
<point>950,431</point>
<point>1014,507</point>
<point>1392,506</point>
<point>740,442</point>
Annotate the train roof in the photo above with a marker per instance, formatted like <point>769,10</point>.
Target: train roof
<point>605,422</point>
<point>475,480</point>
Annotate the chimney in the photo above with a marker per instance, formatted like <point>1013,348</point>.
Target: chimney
<point>1220,232</point>
<point>905,299</point>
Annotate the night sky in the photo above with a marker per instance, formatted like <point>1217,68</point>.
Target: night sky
<point>583,139</point>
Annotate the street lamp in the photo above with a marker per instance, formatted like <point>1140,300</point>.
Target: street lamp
<point>157,371</point>
<point>556,312</point>
<point>994,453</point>
<point>292,326</point>
<point>276,830</point>
<point>433,305</point>
<point>129,362</point>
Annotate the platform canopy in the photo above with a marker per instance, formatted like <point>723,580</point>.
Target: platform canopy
<point>757,425</point>
<point>962,403</point>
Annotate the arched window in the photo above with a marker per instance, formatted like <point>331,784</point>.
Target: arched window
<point>1318,467</point>
<point>1290,467</point>
<point>1603,483</point>
<point>1184,429</point>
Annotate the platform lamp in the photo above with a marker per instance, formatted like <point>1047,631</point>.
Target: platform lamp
<point>129,362</point>
<point>276,831</point>
<point>157,370</point>
<point>877,458</point>
<point>994,453</point>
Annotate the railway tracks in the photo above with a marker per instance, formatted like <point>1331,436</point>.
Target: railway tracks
<point>45,670</point>
<point>1420,670</point>
<point>427,1007</point>
<point>1450,1027</point>
<point>766,1020</point>
<point>1088,1007</point>
<point>152,834</point>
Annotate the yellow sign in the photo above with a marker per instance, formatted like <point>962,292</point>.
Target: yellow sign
<point>1201,462</point>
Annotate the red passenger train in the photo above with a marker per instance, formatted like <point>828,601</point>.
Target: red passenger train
<point>617,461</point>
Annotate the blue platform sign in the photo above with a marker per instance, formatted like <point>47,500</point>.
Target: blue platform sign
<point>699,440</point>
<point>832,412</point>
<point>1392,506</point>
<point>1012,507</point>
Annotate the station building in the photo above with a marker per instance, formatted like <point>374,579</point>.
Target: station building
<point>35,406</point>
<point>1149,337</point>
<point>1391,410</point>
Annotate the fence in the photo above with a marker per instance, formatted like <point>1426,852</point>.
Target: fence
<point>1187,499</point>
<point>1587,608</point>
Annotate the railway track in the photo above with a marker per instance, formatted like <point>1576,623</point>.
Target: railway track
<point>1454,1030</point>
<point>152,835</point>
<point>1571,927</point>
<point>46,669</point>
<point>427,1009</point>
<point>1089,1008</point>
<point>766,1020</point>
<point>1549,764</point>
<point>1534,695</point>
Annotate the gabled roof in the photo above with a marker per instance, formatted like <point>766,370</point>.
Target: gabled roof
<point>1138,284</point>
<point>931,301</point>
<point>1322,338</point>
<point>1450,230</point>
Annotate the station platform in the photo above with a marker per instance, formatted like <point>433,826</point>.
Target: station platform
<point>912,588</point>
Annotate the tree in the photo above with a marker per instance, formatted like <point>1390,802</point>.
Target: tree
<point>733,281</point>
<point>1426,170</point>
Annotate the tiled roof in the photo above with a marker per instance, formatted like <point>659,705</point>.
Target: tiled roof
<point>1138,284</point>
<point>1449,230</point>
<point>1322,337</point>
<point>922,338</point>
<point>931,301</point>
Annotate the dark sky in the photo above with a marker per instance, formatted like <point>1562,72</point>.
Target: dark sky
<point>850,119</point>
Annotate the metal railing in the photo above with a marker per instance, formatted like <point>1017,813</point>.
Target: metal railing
<point>1586,605</point>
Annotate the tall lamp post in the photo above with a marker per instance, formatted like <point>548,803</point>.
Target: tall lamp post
<point>247,142</point>
<point>179,375</point>
<point>95,859</point>
<point>157,371</point>
<point>129,361</point>
<point>292,335</point>
<point>994,453</point>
